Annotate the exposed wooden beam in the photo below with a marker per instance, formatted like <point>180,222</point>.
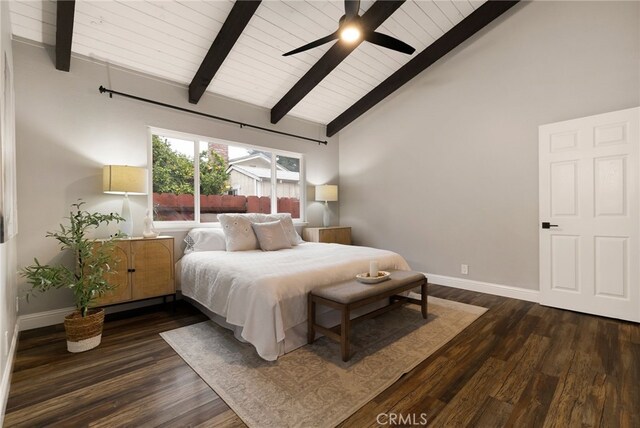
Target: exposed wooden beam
<point>233,26</point>
<point>442,46</point>
<point>64,33</point>
<point>372,19</point>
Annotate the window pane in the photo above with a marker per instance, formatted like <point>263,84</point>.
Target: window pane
<point>288,185</point>
<point>173,173</point>
<point>233,179</point>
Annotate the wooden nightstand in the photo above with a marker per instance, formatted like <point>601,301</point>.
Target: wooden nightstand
<point>333,234</point>
<point>144,270</point>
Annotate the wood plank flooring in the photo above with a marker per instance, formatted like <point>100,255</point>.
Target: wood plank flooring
<point>519,365</point>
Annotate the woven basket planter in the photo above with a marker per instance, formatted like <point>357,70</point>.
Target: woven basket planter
<point>84,333</point>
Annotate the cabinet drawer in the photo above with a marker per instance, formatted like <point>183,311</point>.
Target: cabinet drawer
<point>329,235</point>
<point>337,236</point>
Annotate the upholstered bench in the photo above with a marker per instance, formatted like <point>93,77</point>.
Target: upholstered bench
<point>351,294</point>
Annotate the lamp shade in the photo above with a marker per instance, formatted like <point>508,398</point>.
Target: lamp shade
<point>327,193</point>
<point>121,179</point>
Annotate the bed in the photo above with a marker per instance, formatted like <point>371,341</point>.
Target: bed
<point>262,295</point>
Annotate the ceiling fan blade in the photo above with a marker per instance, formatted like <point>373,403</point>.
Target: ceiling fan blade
<point>351,8</point>
<point>389,42</point>
<point>313,44</point>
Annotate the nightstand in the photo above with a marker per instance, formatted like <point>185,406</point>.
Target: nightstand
<point>144,270</point>
<point>332,234</point>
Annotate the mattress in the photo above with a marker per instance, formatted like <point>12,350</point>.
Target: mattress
<point>262,295</point>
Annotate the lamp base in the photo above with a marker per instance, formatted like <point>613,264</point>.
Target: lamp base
<point>326,216</point>
<point>126,226</point>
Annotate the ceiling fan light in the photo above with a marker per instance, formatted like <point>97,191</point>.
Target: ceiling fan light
<point>350,34</point>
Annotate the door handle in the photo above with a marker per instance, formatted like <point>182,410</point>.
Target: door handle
<point>547,225</point>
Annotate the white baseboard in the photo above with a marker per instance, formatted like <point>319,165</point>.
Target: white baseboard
<point>485,287</point>
<point>56,316</point>
<point>6,373</point>
<point>43,319</point>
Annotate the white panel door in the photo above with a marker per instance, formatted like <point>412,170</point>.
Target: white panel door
<point>590,214</point>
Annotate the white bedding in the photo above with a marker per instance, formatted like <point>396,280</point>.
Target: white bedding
<point>265,293</point>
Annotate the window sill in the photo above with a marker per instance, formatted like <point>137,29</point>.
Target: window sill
<point>185,226</point>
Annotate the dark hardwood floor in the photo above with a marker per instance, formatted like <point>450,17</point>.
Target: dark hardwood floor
<point>520,365</point>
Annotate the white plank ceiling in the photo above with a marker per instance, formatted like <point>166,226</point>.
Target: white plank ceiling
<point>169,39</point>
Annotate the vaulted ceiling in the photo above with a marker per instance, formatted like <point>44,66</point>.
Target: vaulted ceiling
<point>170,39</point>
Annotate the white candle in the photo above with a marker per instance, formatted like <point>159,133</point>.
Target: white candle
<point>373,268</point>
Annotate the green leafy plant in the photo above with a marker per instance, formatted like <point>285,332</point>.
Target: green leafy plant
<point>173,172</point>
<point>87,277</point>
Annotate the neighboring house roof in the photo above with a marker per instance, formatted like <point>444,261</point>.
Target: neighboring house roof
<point>258,173</point>
<point>253,157</point>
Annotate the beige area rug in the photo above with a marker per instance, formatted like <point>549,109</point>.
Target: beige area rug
<point>312,386</point>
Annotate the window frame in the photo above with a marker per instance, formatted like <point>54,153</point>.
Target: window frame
<point>189,224</point>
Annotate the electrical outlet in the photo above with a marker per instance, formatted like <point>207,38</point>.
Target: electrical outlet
<point>464,269</point>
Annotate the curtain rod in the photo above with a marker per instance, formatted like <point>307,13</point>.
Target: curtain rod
<point>111,93</point>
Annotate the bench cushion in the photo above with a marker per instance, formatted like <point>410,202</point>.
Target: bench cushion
<point>352,290</point>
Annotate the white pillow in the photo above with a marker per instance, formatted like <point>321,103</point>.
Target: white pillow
<point>271,236</point>
<point>287,225</point>
<point>205,239</point>
<point>238,233</point>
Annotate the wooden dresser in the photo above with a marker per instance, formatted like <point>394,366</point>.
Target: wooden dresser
<point>144,270</point>
<point>332,234</point>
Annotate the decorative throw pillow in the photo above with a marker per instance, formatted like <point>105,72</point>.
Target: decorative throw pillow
<point>205,239</point>
<point>238,233</point>
<point>287,225</point>
<point>190,243</point>
<point>271,236</point>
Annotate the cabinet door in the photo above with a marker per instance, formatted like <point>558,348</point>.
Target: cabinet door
<point>337,236</point>
<point>152,261</point>
<point>343,236</point>
<point>119,279</point>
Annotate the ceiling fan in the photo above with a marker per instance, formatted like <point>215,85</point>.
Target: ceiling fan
<point>351,29</point>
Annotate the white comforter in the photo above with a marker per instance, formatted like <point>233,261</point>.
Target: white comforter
<point>266,292</point>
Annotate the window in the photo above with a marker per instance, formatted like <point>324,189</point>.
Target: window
<point>194,179</point>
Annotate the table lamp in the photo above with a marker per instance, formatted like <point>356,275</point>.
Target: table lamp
<point>327,193</point>
<point>124,180</point>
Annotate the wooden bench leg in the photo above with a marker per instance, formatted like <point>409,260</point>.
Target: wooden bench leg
<point>311,319</point>
<point>345,328</point>
<point>423,299</point>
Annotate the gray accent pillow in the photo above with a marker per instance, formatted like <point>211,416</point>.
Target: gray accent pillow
<point>238,233</point>
<point>287,224</point>
<point>271,236</point>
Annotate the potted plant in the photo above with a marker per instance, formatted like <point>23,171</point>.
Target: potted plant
<point>87,278</point>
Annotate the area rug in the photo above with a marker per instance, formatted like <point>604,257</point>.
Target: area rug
<point>312,386</point>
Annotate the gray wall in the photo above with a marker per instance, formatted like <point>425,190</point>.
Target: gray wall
<point>7,249</point>
<point>66,132</point>
<point>445,171</point>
